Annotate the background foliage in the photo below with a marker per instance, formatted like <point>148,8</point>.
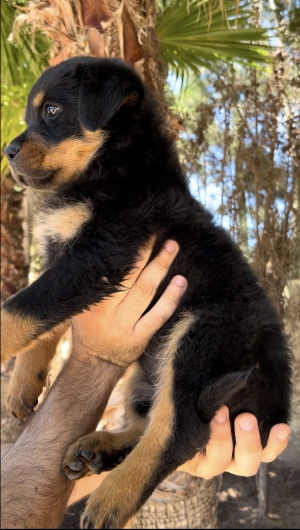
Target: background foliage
<point>22,61</point>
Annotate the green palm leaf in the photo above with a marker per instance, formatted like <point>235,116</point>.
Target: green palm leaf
<point>198,33</point>
<point>21,64</point>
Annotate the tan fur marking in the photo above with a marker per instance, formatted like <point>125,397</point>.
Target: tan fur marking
<point>16,331</point>
<point>37,100</point>
<point>59,329</point>
<point>65,160</point>
<point>126,482</point>
<point>32,153</point>
<point>70,157</point>
<point>160,427</point>
<point>30,372</point>
<point>62,224</point>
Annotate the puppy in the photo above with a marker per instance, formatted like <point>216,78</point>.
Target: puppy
<point>95,140</point>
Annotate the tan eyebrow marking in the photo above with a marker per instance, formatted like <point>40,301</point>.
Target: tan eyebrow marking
<point>37,100</point>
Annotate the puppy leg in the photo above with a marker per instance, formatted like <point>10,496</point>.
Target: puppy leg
<point>103,451</point>
<point>127,487</point>
<point>67,288</point>
<point>14,332</point>
<point>29,375</point>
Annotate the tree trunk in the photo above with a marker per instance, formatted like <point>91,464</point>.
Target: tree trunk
<point>181,501</point>
<point>14,261</point>
<point>14,276</point>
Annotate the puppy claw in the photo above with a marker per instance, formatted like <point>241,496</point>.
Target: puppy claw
<point>86,522</point>
<point>109,524</point>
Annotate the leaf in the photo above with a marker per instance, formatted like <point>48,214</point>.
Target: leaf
<point>22,62</point>
<point>195,35</point>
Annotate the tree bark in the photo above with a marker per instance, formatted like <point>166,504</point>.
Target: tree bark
<point>14,276</point>
<point>181,501</point>
<point>14,261</point>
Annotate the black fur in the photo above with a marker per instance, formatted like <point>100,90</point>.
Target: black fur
<point>236,352</point>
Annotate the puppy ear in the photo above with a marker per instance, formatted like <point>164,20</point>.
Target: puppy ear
<point>104,89</point>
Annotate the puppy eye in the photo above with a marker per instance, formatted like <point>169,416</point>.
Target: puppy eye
<point>51,111</point>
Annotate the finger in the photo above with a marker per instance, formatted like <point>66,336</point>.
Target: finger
<point>164,308</point>
<point>277,442</point>
<point>219,448</point>
<point>248,449</point>
<point>144,289</point>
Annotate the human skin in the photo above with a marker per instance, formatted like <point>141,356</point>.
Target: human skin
<point>245,457</point>
<point>105,340</point>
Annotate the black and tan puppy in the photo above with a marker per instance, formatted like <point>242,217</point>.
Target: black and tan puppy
<point>96,141</point>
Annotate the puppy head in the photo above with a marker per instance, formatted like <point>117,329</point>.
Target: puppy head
<point>69,114</point>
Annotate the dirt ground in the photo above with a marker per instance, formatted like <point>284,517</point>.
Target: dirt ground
<point>238,502</point>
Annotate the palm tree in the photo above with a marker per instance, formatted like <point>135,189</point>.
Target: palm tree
<point>173,35</point>
<point>153,38</point>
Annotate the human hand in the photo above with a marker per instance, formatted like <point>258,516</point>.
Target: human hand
<point>248,452</point>
<point>115,330</point>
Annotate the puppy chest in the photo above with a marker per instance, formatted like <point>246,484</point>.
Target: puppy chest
<point>61,224</point>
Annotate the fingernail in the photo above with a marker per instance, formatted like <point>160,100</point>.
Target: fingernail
<point>180,281</point>
<point>283,435</point>
<point>221,417</point>
<point>247,425</point>
<point>170,247</point>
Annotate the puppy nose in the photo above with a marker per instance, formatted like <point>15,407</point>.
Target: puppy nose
<point>12,150</point>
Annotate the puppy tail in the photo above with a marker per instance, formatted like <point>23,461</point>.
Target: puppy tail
<point>220,392</point>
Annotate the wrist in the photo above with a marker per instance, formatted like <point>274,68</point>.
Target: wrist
<point>90,351</point>
<point>87,355</point>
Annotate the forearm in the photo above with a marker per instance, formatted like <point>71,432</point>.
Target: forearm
<point>34,494</point>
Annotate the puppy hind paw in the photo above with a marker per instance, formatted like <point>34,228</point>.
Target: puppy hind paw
<point>93,518</point>
<point>114,502</point>
<point>87,522</point>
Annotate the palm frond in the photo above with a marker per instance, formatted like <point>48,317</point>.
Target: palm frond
<point>199,33</point>
<point>22,62</point>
